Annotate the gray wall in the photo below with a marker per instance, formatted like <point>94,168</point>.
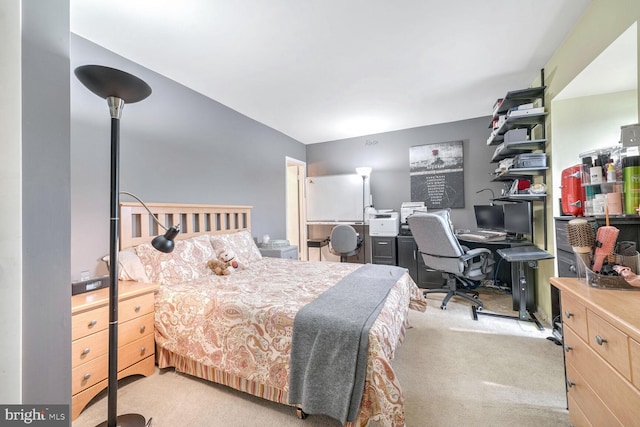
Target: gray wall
<point>46,296</point>
<point>388,155</point>
<point>176,146</point>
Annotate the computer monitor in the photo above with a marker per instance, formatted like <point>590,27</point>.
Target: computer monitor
<point>489,217</point>
<point>517,218</point>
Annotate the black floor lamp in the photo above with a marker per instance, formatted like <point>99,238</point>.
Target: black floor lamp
<point>118,88</point>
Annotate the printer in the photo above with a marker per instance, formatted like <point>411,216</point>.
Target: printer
<point>384,223</point>
<point>410,207</point>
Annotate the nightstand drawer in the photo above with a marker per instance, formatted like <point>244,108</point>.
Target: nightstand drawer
<point>135,351</point>
<point>574,315</point>
<point>88,348</point>
<point>135,329</point>
<point>89,373</point>
<point>89,322</point>
<point>610,343</point>
<point>134,307</point>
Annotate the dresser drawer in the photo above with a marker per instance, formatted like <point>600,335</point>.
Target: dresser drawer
<point>562,239</point>
<point>135,329</point>
<point>566,264</point>
<point>574,315</point>
<point>584,404</point>
<point>634,352</point>
<point>134,307</point>
<point>89,373</point>
<point>620,397</point>
<point>577,418</point>
<point>610,343</point>
<point>89,322</point>
<point>88,348</point>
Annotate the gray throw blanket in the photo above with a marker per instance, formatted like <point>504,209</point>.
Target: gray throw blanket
<point>331,340</point>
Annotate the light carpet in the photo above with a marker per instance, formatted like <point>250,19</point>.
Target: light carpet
<point>454,371</point>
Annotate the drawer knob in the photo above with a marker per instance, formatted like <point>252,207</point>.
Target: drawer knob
<point>567,314</point>
<point>93,323</point>
<point>570,383</point>
<point>138,308</point>
<point>572,268</point>
<point>87,376</point>
<point>600,340</point>
<point>86,351</point>
<point>143,350</point>
<point>567,348</point>
<point>142,329</point>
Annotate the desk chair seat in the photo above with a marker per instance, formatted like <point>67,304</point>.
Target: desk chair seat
<point>344,241</point>
<point>441,251</point>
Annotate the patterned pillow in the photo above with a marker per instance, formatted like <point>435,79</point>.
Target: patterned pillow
<point>241,243</point>
<point>188,261</point>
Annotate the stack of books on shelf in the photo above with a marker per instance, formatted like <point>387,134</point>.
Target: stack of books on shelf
<point>524,110</point>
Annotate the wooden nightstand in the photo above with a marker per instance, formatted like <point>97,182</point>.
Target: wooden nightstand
<point>90,339</point>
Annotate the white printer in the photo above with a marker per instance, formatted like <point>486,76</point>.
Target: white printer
<point>384,223</point>
<point>408,208</point>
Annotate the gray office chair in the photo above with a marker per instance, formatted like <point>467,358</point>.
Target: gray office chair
<point>344,241</point>
<point>441,251</point>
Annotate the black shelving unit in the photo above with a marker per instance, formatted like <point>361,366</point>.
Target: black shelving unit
<point>511,149</point>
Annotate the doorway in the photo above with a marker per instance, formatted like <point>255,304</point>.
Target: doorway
<point>296,171</point>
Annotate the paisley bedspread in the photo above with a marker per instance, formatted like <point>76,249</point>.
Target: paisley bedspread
<point>237,330</point>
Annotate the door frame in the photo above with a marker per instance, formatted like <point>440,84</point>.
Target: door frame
<point>297,210</point>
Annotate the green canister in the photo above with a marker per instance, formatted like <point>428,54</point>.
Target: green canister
<point>631,180</point>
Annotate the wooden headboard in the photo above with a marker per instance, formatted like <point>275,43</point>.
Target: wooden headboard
<point>137,226</point>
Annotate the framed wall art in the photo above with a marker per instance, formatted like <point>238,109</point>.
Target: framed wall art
<point>437,174</point>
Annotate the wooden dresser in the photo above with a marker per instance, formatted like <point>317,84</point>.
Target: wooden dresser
<point>90,339</point>
<point>601,330</point>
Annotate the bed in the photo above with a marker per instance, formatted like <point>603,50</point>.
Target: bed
<point>237,330</point>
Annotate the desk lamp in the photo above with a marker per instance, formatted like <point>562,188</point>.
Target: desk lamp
<point>118,88</point>
<point>493,195</point>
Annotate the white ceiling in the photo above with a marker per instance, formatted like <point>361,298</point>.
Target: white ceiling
<point>320,70</point>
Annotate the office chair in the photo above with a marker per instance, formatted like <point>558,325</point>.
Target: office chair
<point>441,251</point>
<point>344,241</point>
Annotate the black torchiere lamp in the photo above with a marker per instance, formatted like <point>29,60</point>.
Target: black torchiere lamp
<point>118,88</point>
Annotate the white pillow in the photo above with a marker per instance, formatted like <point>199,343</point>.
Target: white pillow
<point>130,267</point>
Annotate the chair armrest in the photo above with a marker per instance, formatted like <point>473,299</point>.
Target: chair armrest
<point>483,259</point>
<point>472,253</point>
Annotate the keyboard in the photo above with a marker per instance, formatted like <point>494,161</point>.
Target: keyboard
<point>483,235</point>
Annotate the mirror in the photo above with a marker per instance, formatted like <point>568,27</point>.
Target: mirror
<point>589,111</point>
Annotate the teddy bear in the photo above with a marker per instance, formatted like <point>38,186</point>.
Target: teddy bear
<point>225,264</point>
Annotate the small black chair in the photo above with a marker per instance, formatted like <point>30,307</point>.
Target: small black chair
<point>344,241</point>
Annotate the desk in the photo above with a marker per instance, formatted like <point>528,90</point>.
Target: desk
<point>507,273</point>
<point>521,255</point>
<point>317,243</point>
<point>319,231</point>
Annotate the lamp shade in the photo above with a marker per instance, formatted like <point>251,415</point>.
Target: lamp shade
<point>107,82</point>
<point>363,171</point>
<point>165,243</point>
